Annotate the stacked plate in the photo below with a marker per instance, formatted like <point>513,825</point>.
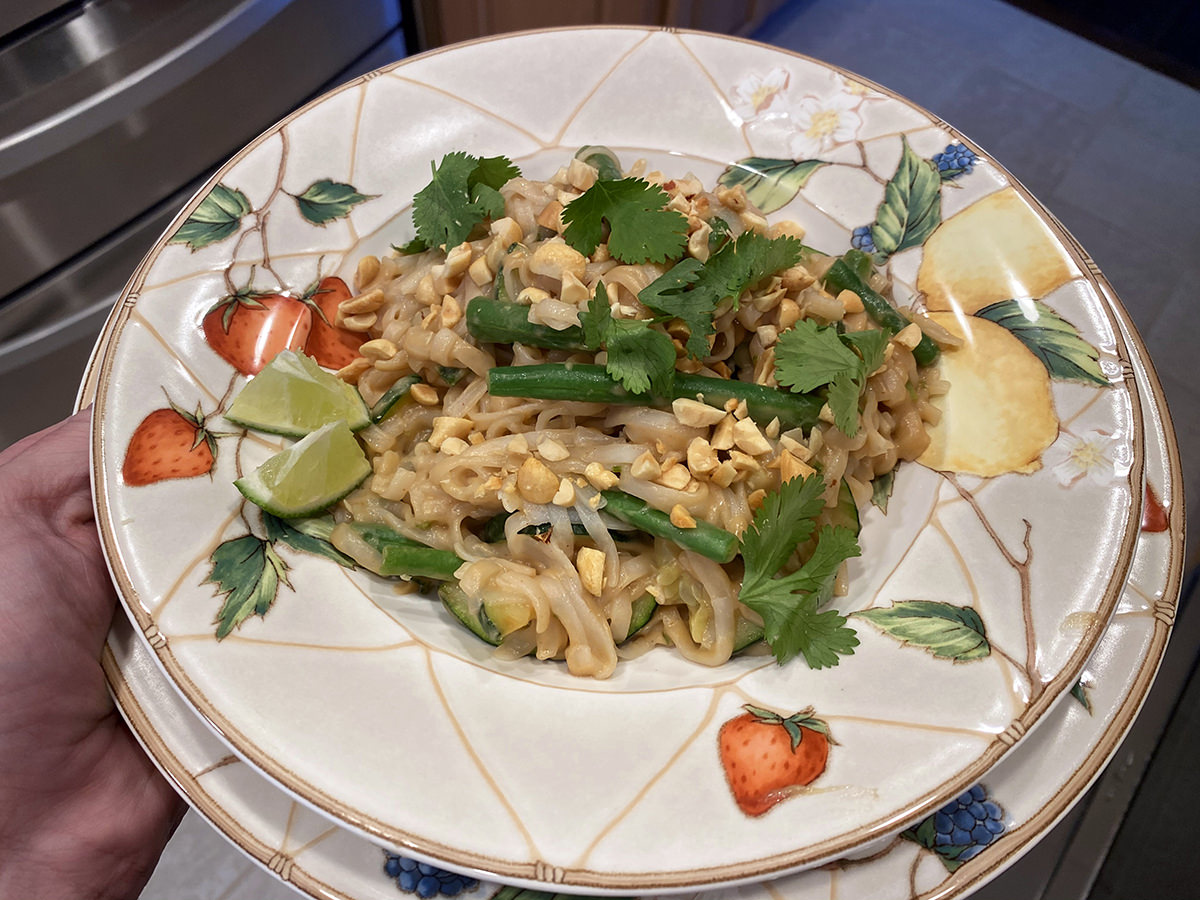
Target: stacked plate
<point>1012,605</point>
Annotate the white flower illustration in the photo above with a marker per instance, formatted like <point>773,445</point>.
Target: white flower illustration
<point>1088,455</point>
<point>754,94</point>
<point>823,123</point>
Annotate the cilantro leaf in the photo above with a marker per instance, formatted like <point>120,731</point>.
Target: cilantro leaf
<point>809,356</point>
<point>641,228</point>
<point>641,358</point>
<point>691,291</point>
<point>494,172</point>
<point>870,346</point>
<point>785,519</point>
<point>463,192</point>
<point>596,318</point>
<point>793,621</point>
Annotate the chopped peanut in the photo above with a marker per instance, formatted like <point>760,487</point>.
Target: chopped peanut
<point>696,414</point>
<point>360,323</point>
<point>573,290</point>
<point>380,348</point>
<point>747,436</point>
<point>681,518</point>
<point>555,258</point>
<point>646,467</point>
<point>701,457</point>
<point>590,563</point>
<point>722,438</point>
<point>565,496</point>
<point>368,269</point>
<point>677,477</point>
<point>363,303</point>
<point>909,336</point>
<point>454,446</point>
<point>599,477</point>
<point>789,313</point>
<point>517,444</point>
<point>448,427</point>
<point>425,394</point>
<point>535,482</point>
<point>350,373</point>
<point>550,216</point>
<point>755,500</point>
<point>506,231</point>
<point>724,474</point>
<point>790,467</point>
<point>850,301</point>
<point>743,462</point>
<point>552,451</point>
<point>481,271</point>
<point>532,295</point>
<point>451,311</point>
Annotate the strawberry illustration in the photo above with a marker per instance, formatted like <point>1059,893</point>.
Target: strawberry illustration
<point>330,346</point>
<point>1154,514</point>
<point>168,443</point>
<point>248,328</point>
<point>767,757</point>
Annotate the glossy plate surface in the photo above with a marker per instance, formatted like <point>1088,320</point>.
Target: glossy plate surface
<point>376,709</point>
<point>1034,786</point>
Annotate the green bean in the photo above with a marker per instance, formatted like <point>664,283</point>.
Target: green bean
<point>592,384</point>
<point>500,322</point>
<point>394,395</point>
<point>841,277</point>
<point>403,556</point>
<point>706,539</point>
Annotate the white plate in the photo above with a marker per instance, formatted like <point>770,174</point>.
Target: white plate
<point>381,712</point>
<point>1035,785</point>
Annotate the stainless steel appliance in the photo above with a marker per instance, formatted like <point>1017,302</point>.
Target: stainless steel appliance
<point>112,113</point>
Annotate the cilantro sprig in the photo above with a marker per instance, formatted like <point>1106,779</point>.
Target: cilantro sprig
<point>464,191</point>
<point>641,228</point>
<point>641,358</point>
<point>691,291</point>
<point>790,605</point>
<point>809,356</point>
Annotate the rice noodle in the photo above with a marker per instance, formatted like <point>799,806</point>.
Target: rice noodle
<point>447,465</point>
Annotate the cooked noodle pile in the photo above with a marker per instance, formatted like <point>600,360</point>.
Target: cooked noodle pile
<point>564,578</point>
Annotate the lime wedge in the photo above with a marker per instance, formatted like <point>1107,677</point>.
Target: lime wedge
<point>293,396</point>
<point>310,475</point>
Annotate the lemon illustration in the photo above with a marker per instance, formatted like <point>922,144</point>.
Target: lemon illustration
<point>995,249</point>
<point>999,414</point>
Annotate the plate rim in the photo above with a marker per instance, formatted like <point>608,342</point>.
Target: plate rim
<point>584,878</point>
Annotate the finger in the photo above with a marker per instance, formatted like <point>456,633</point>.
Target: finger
<point>49,464</point>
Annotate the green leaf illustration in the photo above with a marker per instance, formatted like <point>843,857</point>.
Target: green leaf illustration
<point>249,572</point>
<point>911,207</point>
<point>946,631</point>
<point>327,200</point>
<point>218,216</point>
<point>882,490</point>
<point>307,536</point>
<point>1051,338</point>
<point>517,893</point>
<point>770,183</point>
<point>1080,693</point>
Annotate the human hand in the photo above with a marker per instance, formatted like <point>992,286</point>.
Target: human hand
<point>83,811</point>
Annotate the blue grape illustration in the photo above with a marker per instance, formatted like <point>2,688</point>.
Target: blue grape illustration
<point>961,829</point>
<point>957,159</point>
<point>860,239</point>
<point>424,880</point>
